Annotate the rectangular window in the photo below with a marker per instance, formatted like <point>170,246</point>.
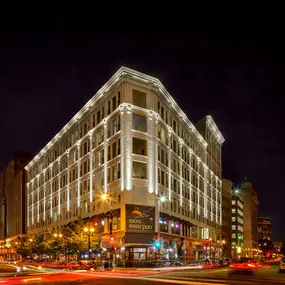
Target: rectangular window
<point>98,117</point>
<point>139,98</point>
<point>162,113</point>
<point>114,148</point>
<point>114,106</point>
<point>114,127</point>
<point>119,98</point>
<point>109,152</point>
<point>109,107</point>
<point>139,123</point>
<point>139,170</point>
<point>102,156</point>
<point>119,146</point>
<point>109,175</point>
<point>162,177</point>
<point>114,173</point>
<point>139,146</point>
<point>119,170</point>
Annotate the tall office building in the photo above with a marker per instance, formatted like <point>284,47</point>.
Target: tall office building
<point>264,228</point>
<point>2,207</point>
<point>133,143</point>
<point>227,215</point>
<point>237,222</point>
<point>13,207</point>
<point>250,209</point>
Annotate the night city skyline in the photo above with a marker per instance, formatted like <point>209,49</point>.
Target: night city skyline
<point>46,78</point>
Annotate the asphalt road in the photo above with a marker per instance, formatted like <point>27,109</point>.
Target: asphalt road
<point>221,275</point>
<point>187,277</point>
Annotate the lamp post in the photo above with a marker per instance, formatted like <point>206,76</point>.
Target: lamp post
<point>57,236</point>
<point>89,231</point>
<point>223,246</point>
<point>159,200</point>
<point>107,199</point>
<point>210,244</point>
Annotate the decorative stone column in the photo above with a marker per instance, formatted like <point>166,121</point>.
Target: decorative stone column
<point>151,153</point>
<point>90,167</point>
<point>59,192</point>
<point>68,181</point>
<point>105,146</point>
<point>78,173</point>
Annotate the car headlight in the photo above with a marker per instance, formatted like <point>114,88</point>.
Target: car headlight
<point>24,268</point>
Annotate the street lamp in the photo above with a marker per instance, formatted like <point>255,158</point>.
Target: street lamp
<point>89,231</point>
<point>57,236</point>
<point>104,196</point>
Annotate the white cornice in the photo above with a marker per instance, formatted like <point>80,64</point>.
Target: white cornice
<point>103,91</point>
<point>211,123</point>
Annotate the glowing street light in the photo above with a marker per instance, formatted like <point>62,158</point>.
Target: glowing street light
<point>104,196</point>
<point>86,229</point>
<point>162,199</point>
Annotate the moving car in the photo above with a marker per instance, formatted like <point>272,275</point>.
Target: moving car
<point>242,266</point>
<point>21,268</point>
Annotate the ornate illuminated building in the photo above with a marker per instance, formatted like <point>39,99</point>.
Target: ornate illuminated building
<point>133,142</point>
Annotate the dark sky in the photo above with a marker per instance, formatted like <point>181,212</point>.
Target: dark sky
<point>49,69</point>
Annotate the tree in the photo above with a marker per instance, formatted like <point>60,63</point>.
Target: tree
<point>24,247</point>
<point>39,246</point>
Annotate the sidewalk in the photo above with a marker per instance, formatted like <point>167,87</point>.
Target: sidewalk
<point>167,268</point>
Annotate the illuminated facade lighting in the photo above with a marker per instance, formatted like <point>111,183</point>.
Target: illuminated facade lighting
<point>130,134</point>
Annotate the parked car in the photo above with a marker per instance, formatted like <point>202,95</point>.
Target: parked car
<point>281,267</point>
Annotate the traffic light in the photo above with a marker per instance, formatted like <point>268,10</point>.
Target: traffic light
<point>96,224</point>
<point>112,238</point>
<point>157,244</point>
<point>239,237</point>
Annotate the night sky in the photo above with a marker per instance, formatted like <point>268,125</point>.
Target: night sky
<point>48,70</point>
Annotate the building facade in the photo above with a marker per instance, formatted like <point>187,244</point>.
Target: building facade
<point>13,207</point>
<point>227,187</point>
<point>132,142</point>
<point>250,209</point>
<point>278,247</point>
<point>237,223</point>
<point>264,228</point>
<point>3,232</point>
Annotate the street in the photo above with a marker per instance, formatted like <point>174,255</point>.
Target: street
<point>141,277</point>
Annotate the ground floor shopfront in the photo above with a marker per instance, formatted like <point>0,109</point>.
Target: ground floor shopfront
<point>137,237</point>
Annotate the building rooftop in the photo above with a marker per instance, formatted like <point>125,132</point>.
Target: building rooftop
<point>123,71</point>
